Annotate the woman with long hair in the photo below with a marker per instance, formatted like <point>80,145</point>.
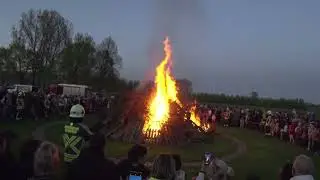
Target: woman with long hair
<point>163,168</point>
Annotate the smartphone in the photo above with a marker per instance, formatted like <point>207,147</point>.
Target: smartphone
<point>135,176</point>
<point>208,156</point>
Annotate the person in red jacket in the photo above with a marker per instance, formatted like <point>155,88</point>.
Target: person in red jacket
<point>291,132</point>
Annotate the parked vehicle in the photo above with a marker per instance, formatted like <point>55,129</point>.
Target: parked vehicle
<point>69,89</point>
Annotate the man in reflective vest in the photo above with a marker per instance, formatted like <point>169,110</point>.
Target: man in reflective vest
<point>76,134</point>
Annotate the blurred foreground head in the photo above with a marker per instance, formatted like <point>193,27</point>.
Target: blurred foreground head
<point>137,153</point>
<point>286,171</point>
<point>46,159</point>
<point>97,142</point>
<point>302,165</point>
<point>163,167</point>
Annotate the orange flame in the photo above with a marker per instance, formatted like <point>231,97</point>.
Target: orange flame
<point>158,108</point>
<point>166,93</point>
<point>194,117</point>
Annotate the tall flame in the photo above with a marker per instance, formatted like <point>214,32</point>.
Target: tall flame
<point>165,93</point>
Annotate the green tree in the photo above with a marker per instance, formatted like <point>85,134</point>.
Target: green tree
<point>45,34</point>
<point>108,62</point>
<point>7,64</point>
<point>78,59</point>
<point>20,56</point>
<point>254,94</point>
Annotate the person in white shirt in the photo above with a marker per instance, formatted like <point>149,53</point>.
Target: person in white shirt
<point>303,168</point>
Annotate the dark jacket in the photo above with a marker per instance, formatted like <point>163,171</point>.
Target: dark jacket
<point>126,166</point>
<point>92,165</point>
<point>8,168</point>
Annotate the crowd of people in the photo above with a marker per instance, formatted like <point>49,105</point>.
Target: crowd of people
<point>84,149</point>
<point>299,128</point>
<point>39,105</point>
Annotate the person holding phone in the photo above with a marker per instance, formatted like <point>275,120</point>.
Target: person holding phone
<point>213,168</point>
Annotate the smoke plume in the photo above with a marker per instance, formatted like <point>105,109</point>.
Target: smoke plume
<point>184,21</point>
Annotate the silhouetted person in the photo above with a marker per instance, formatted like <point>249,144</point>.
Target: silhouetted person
<point>92,163</point>
<point>134,162</point>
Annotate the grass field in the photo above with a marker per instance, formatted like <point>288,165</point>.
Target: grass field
<point>264,155</point>
<point>23,129</point>
<point>190,152</point>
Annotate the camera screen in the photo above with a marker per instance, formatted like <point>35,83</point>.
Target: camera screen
<point>135,176</point>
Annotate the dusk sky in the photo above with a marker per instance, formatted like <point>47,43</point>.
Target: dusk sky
<point>229,46</point>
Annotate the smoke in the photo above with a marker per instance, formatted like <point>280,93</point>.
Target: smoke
<point>176,16</point>
<point>185,22</point>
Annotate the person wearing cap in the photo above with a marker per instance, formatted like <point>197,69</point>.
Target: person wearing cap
<point>76,134</point>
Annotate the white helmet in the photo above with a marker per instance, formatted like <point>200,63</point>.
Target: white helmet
<point>77,111</point>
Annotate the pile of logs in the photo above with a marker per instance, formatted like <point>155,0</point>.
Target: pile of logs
<point>177,131</point>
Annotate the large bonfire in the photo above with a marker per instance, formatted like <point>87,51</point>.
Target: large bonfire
<point>165,94</point>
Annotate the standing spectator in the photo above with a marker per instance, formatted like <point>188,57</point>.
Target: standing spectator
<point>20,106</point>
<point>311,132</point>
<point>47,104</point>
<point>284,132</point>
<point>303,168</point>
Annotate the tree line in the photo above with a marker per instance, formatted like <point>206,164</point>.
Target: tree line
<point>281,103</point>
<point>44,49</point>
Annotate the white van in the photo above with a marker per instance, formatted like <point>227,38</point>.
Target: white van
<point>74,89</point>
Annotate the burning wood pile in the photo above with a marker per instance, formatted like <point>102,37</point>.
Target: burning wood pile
<point>166,120</point>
